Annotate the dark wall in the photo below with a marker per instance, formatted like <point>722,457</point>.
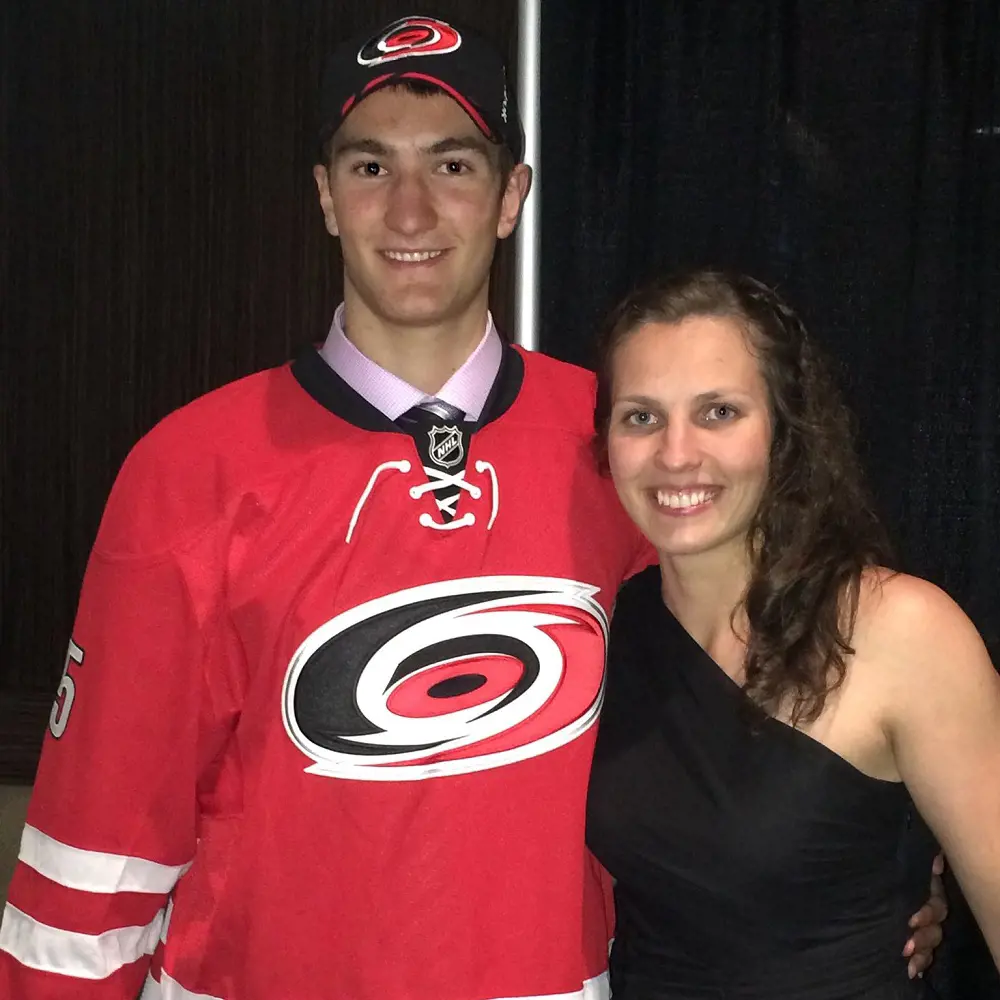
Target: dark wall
<point>159,236</point>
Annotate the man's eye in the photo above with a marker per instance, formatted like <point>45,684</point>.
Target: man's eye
<point>370,168</point>
<point>455,167</point>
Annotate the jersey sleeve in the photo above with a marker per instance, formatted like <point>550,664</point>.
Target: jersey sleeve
<point>645,555</point>
<point>147,699</point>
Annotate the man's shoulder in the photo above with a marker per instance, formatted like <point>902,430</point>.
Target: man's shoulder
<point>198,459</point>
<point>557,394</point>
<point>563,374</point>
<point>218,417</point>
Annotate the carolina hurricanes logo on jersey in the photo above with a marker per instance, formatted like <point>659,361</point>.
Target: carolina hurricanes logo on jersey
<point>448,678</point>
<point>410,36</point>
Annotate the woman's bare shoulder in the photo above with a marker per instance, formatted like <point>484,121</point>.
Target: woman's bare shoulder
<point>910,624</point>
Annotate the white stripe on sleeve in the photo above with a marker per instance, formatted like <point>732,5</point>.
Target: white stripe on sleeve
<point>597,988</point>
<point>170,989</point>
<point>93,871</point>
<point>69,953</point>
<point>151,989</point>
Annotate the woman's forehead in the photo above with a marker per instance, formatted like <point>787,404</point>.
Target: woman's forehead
<point>695,347</point>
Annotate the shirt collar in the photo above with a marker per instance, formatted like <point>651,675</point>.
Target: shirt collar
<point>468,389</point>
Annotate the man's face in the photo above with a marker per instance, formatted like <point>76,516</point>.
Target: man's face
<point>413,192</point>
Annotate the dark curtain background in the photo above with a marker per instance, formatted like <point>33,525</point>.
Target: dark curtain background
<point>159,236</point>
<point>848,152</point>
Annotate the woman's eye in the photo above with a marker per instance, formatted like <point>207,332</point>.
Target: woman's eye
<point>639,418</point>
<point>721,412</point>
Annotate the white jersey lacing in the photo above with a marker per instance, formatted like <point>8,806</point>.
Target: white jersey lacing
<point>437,481</point>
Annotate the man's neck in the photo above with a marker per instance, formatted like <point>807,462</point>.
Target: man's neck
<point>424,356</point>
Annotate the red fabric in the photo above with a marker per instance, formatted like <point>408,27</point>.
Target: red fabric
<point>221,551</point>
<point>18,982</point>
<point>84,912</point>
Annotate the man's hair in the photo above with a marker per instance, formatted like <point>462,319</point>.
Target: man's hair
<point>500,155</point>
<point>815,531</point>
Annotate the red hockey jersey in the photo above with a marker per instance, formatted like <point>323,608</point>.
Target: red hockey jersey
<point>315,741</point>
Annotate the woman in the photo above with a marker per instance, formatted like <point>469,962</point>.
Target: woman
<point>777,699</point>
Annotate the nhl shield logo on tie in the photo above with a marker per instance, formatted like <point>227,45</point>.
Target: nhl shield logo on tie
<point>447,449</point>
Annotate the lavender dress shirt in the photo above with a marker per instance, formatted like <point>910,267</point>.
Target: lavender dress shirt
<point>467,389</point>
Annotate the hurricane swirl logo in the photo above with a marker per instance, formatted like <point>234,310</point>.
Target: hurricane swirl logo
<point>448,678</point>
<point>411,36</point>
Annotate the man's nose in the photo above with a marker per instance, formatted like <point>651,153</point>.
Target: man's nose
<point>411,207</point>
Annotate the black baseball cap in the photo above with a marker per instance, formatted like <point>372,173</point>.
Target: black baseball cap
<point>457,61</point>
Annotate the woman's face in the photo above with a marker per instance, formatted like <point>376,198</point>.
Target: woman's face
<point>689,434</point>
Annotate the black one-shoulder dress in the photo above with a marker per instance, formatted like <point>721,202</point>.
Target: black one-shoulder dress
<point>751,861</point>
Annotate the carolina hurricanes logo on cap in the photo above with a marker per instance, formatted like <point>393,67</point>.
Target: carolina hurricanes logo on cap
<point>411,36</point>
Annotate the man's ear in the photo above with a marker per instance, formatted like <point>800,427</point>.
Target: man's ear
<point>512,199</point>
<point>322,176</point>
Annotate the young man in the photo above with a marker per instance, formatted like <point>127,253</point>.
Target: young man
<point>329,706</point>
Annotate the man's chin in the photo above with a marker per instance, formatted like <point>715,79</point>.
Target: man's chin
<point>415,304</point>
<point>418,310</point>
<point>418,318</point>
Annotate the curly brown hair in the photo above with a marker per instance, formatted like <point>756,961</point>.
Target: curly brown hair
<point>815,531</point>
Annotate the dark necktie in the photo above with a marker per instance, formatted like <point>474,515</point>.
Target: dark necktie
<point>439,408</point>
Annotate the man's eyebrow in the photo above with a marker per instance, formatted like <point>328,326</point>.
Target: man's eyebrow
<point>371,146</point>
<point>452,144</point>
<point>461,144</point>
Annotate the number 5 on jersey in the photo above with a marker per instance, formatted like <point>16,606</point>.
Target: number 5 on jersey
<point>66,693</point>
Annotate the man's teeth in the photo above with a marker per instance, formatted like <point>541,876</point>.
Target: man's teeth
<point>412,256</point>
<point>665,498</point>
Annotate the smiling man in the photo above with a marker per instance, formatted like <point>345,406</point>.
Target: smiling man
<point>331,699</point>
<point>330,702</point>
